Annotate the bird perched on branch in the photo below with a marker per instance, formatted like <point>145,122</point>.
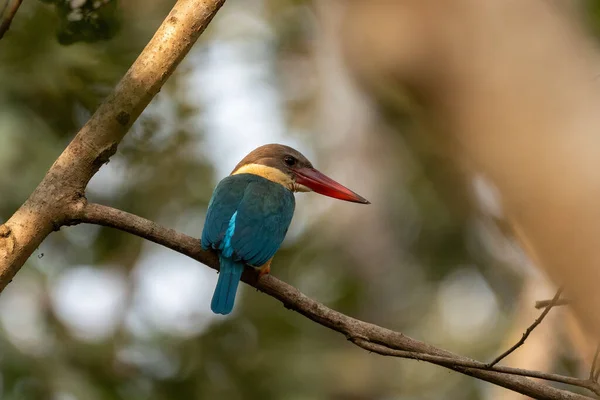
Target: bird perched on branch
<point>251,209</point>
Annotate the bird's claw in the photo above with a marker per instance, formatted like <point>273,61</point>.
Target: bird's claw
<point>264,270</point>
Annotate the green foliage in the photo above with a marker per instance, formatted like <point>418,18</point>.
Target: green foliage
<point>86,20</point>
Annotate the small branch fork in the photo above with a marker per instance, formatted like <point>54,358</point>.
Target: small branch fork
<point>529,330</point>
<point>547,305</point>
<point>367,336</point>
<point>10,8</point>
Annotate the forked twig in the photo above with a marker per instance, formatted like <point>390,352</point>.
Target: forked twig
<point>457,364</point>
<point>529,330</point>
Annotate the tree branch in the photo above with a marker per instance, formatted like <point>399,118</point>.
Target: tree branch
<point>365,335</point>
<point>10,15</point>
<point>453,363</point>
<point>544,303</point>
<point>528,330</point>
<point>63,187</point>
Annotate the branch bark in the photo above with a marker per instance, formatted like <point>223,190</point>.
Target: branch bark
<point>544,303</point>
<point>528,331</point>
<point>365,335</point>
<point>10,15</point>
<point>63,187</point>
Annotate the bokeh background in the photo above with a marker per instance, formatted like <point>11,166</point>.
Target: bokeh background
<point>98,314</point>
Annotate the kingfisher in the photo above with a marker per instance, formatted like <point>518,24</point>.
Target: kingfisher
<point>251,209</point>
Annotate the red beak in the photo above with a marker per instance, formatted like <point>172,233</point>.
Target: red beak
<point>322,184</point>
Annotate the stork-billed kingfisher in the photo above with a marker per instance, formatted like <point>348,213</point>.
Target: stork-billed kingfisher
<point>251,209</point>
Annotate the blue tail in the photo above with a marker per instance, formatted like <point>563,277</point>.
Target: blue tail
<point>229,278</point>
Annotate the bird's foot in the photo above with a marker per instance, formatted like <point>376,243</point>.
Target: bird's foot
<point>264,270</point>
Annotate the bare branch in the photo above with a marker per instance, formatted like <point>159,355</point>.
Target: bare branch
<point>528,331</point>
<point>455,364</point>
<point>544,303</point>
<point>367,336</point>
<point>64,185</point>
<point>10,15</point>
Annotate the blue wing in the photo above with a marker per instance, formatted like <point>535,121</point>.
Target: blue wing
<point>263,218</point>
<point>224,202</point>
<point>263,212</point>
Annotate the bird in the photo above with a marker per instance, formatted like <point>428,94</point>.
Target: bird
<point>251,209</point>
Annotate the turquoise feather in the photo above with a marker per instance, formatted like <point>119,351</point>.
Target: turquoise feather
<point>229,275</point>
<point>229,279</point>
<point>246,222</point>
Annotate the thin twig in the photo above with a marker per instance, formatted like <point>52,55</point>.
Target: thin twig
<point>10,15</point>
<point>594,362</point>
<point>456,364</point>
<point>544,303</point>
<point>365,335</point>
<point>528,331</point>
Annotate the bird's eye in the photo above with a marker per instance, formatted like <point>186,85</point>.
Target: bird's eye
<point>289,160</point>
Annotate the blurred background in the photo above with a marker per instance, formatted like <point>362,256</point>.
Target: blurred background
<point>97,314</point>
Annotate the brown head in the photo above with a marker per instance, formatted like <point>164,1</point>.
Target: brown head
<point>288,167</point>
